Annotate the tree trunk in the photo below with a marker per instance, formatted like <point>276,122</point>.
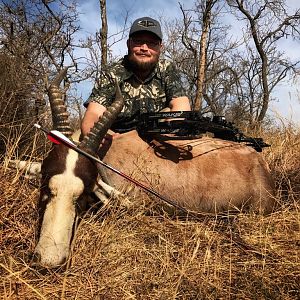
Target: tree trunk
<point>103,33</point>
<point>203,54</point>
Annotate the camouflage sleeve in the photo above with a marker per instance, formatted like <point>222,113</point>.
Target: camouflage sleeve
<point>103,91</point>
<point>174,87</point>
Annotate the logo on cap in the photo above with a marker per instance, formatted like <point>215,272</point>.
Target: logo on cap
<point>146,23</point>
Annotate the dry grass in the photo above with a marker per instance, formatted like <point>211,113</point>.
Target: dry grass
<point>136,253</point>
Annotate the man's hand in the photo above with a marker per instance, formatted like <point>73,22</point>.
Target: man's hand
<point>180,104</point>
<point>93,113</point>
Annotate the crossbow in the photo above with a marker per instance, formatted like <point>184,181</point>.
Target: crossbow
<point>192,124</point>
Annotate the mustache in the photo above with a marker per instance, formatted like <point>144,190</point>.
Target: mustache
<point>143,53</point>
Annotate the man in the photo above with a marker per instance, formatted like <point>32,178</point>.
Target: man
<point>148,83</point>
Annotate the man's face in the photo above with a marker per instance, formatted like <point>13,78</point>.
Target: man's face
<point>143,51</point>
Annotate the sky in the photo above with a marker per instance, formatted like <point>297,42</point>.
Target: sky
<point>287,105</point>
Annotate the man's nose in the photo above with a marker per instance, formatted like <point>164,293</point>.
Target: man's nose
<point>144,46</point>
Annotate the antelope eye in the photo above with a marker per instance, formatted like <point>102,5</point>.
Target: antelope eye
<point>45,197</point>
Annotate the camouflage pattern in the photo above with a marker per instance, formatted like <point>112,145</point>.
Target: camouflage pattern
<point>153,94</point>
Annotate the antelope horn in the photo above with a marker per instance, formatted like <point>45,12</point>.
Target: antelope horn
<point>93,139</point>
<point>60,116</point>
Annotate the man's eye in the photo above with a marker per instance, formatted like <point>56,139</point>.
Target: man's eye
<point>148,43</point>
<point>152,44</point>
<point>138,42</point>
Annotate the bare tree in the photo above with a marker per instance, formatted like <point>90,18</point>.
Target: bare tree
<point>103,33</point>
<point>39,33</point>
<point>206,58</point>
<point>184,59</point>
<point>206,9</point>
<point>267,21</point>
<point>36,41</point>
<point>100,44</point>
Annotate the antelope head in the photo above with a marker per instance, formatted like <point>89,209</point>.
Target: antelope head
<point>67,179</point>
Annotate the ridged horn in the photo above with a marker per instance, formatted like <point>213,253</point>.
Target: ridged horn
<point>93,139</point>
<point>60,116</point>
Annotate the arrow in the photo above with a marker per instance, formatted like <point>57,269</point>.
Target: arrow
<point>59,138</point>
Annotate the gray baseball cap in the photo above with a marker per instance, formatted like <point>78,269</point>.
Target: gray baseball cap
<point>146,24</point>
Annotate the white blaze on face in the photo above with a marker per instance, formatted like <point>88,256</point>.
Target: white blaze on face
<point>59,216</point>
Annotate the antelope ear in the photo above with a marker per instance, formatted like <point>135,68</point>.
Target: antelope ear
<point>93,139</point>
<point>32,170</point>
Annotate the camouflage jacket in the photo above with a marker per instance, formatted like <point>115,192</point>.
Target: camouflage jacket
<point>152,95</point>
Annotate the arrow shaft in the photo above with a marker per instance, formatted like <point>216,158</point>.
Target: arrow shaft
<point>127,177</point>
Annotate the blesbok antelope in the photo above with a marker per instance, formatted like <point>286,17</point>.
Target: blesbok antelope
<point>201,174</point>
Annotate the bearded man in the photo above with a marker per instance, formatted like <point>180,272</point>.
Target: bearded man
<point>147,82</point>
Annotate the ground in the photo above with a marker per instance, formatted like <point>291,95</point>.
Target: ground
<point>138,252</point>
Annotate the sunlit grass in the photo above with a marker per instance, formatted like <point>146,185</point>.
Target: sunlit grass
<point>134,252</point>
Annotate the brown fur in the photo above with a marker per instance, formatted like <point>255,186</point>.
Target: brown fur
<point>55,163</point>
<point>87,172</point>
<point>207,174</point>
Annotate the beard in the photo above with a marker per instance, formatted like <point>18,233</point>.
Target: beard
<point>142,66</point>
